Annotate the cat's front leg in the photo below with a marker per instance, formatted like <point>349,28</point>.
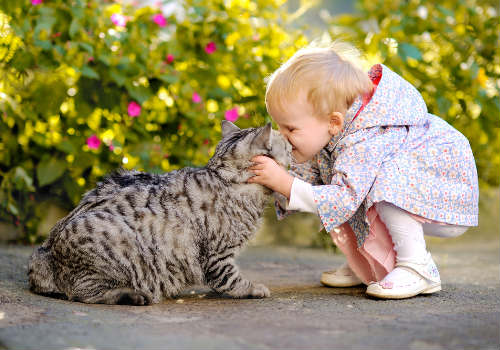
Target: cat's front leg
<point>226,278</point>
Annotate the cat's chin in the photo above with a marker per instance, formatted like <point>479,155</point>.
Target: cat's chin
<point>267,191</point>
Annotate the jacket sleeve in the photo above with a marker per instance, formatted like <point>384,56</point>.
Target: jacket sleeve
<point>358,160</point>
<point>308,172</point>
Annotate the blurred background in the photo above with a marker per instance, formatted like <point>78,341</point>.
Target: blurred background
<point>87,86</point>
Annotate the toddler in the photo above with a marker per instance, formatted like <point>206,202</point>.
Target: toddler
<point>377,168</point>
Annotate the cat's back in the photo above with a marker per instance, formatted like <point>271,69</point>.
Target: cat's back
<point>132,201</point>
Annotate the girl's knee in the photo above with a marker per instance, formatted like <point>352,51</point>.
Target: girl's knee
<point>392,214</point>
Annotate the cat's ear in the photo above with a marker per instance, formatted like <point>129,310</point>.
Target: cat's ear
<point>265,136</point>
<point>228,128</point>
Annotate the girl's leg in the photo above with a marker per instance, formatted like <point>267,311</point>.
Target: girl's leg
<point>407,234</point>
<point>415,271</point>
<point>371,262</point>
<point>444,231</point>
<point>345,240</point>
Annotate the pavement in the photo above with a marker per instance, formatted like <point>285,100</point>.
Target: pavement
<point>300,314</point>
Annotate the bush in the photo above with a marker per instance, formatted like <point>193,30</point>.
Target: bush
<point>449,51</point>
<point>89,86</point>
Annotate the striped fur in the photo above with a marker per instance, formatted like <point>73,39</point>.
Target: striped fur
<point>139,237</point>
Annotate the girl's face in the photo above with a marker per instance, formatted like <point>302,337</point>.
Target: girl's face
<point>307,133</point>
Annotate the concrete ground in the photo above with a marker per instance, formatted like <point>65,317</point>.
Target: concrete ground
<point>300,314</point>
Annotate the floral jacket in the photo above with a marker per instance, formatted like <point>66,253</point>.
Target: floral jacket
<point>392,150</point>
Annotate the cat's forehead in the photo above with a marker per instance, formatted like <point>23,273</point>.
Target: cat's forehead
<point>238,136</point>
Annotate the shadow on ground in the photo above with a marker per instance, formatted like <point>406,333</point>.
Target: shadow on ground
<point>300,313</point>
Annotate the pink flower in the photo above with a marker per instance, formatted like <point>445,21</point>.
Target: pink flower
<point>111,147</point>
<point>170,58</point>
<point>134,109</point>
<point>36,2</point>
<point>196,98</point>
<point>232,114</point>
<point>93,142</point>
<point>160,20</point>
<point>118,20</point>
<point>210,48</point>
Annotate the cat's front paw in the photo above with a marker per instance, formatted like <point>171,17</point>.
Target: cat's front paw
<point>259,291</point>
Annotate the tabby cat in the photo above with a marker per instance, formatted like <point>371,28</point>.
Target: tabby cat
<point>139,237</point>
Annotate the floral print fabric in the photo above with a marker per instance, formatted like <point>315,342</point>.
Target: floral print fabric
<point>392,150</point>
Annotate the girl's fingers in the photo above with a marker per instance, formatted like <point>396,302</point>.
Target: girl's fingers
<point>253,179</point>
<point>259,159</point>
<point>256,167</point>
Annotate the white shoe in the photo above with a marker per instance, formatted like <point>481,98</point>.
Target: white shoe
<point>341,277</point>
<point>407,280</point>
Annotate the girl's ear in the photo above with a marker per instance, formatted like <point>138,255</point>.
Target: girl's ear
<point>335,123</point>
<point>228,128</point>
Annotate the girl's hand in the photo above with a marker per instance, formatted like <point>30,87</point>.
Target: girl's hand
<point>271,174</point>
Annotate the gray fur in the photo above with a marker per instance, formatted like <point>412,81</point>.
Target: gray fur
<point>139,237</point>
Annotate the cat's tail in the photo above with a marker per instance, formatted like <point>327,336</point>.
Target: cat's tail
<point>41,272</point>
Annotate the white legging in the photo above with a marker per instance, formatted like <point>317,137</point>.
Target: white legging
<point>408,234</point>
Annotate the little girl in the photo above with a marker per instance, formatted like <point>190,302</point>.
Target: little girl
<point>377,168</point>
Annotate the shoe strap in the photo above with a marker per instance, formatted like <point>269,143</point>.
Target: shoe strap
<point>421,270</point>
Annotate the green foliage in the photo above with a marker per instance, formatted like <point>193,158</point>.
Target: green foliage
<point>81,95</point>
<point>449,51</point>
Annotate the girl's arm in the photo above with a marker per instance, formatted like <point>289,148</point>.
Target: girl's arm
<point>359,158</point>
<point>302,197</point>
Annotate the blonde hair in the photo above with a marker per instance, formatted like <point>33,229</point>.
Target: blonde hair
<point>331,77</point>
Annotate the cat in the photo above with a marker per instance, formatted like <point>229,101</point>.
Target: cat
<point>138,237</point>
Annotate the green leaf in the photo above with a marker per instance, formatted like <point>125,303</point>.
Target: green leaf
<point>170,79</point>
<point>140,93</point>
<point>49,170</point>
<point>13,209</point>
<point>443,105</point>
<point>200,10</point>
<point>106,59</point>
<point>22,60</point>
<point>72,189</point>
<point>86,47</point>
<point>66,147</point>
<point>77,10</point>
<point>20,176</point>
<point>89,72</point>
<point>117,77</point>
<point>407,50</point>
<point>44,44</point>
<point>59,49</point>
<point>445,11</point>
<point>46,20</point>
<point>74,27</point>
